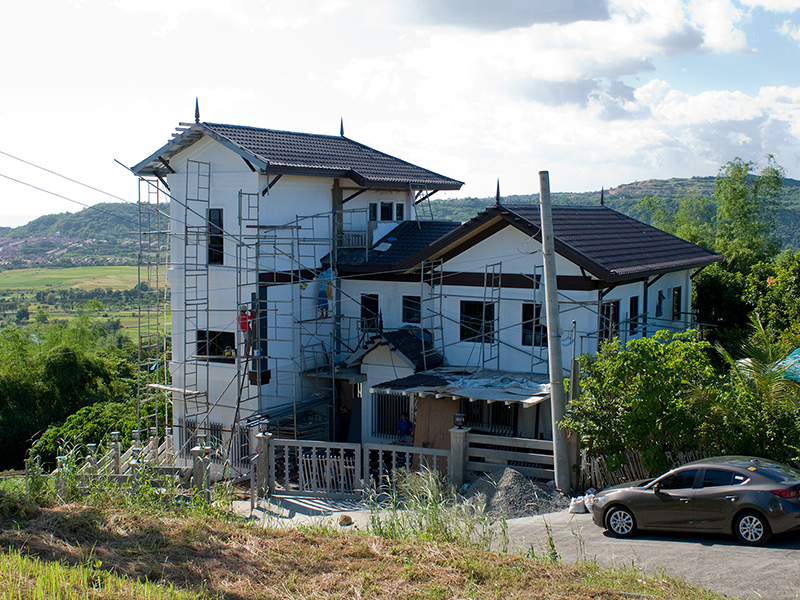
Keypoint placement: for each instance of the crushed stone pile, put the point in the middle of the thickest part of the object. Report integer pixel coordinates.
(512, 495)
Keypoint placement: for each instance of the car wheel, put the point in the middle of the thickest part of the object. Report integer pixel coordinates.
(751, 528)
(620, 522)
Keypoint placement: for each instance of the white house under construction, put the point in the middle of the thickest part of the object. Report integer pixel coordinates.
(310, 293)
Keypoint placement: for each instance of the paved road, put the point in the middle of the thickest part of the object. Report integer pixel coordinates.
(712, 561)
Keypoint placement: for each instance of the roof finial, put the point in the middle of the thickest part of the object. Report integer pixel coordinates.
(341, 127)
(602, 203)
(497, 198)
(196, 110)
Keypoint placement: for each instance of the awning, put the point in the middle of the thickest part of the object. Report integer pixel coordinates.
(506, 389)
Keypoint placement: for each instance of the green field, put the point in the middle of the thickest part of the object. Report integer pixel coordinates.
(85, 278)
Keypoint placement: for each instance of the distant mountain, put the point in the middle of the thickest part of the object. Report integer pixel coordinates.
(101, 234)
(625, 198)
(111, 221)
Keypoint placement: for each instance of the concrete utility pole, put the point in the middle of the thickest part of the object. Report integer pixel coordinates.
(557, 400)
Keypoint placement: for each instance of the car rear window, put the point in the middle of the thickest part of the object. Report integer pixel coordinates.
(777, 472)
(716, 477)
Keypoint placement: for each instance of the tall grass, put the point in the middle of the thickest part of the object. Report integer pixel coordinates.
(422, 506)
(34, 579)
(145, 491)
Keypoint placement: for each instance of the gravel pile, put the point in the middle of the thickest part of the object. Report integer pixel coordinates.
(512, 496)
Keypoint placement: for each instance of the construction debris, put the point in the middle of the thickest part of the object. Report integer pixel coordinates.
(512, 495)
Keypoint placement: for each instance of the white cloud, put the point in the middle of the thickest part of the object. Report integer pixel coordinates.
(790, 30)
(774, 5)
(718, 19)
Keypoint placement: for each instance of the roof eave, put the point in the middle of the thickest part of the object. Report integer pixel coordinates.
(153, 164)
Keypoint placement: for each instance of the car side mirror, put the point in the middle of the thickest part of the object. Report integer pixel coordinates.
(657, 488)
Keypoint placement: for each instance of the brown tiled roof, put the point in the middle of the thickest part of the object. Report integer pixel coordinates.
(606, 244)
(286, 152)
(404, 241)
(610, 245)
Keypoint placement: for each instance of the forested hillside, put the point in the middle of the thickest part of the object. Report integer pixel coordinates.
(101, 234)
(625, 199)
(111, 220)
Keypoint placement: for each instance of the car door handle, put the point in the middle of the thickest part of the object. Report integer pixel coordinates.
(731, 498)
(685, 500)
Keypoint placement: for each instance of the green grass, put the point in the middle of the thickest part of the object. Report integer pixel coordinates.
(86, 278)
(26, 577)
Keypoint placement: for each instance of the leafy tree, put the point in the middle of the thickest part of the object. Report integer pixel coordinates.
(747, 208)
(636, 397)
(773, 289)
(755, 410)
(89, 425)
(721, 306)
(50, 371)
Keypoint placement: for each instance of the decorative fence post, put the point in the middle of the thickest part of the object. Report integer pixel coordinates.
(170, 448)
(91, 459)
(263, 480)
(135, 466)
(117, 454)
(459, 447)
(154, 444)
(200, 479)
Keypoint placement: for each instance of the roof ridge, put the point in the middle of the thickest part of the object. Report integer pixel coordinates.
(250, 127)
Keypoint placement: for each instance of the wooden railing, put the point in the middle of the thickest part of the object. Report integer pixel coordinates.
(489, 453)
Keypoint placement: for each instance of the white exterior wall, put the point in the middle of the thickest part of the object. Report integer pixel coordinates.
(520, 254)
(291, 197)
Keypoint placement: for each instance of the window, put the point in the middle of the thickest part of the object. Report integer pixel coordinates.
(609, 320)
(660, 303)
(399, 212)
(679, 481)
(534, 331)
(411, 309)
(386, 211)
(676, 304)
(477, 321)
(370, 313)
(373, 212)
(386, 409)
(633, 316)
(717, 477)
(216, 346)
(497, 418)
(216, 242)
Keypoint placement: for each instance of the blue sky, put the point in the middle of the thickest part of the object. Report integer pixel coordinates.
(598, 92)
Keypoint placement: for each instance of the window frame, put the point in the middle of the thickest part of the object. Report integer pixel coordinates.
(412, 306)
(216, 239)
(677, 303)
(474, 329)
(633, 315)
(609, 323)
(211, 345)
(370, 320)
(534, 330)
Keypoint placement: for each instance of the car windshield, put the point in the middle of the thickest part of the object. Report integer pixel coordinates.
(778, 473)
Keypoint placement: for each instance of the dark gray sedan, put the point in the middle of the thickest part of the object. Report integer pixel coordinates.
(751, 498)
